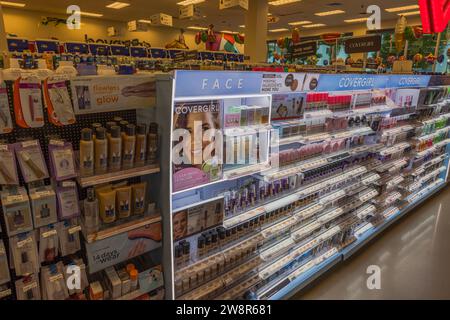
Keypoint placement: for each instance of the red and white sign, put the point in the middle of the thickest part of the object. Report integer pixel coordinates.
(435, 15)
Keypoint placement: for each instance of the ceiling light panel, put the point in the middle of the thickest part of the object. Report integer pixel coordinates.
(118, 5)
(329, 13)
(410, 13)
(299, 23)
(282, 2)
(91, 14)
(356, 20)
(189, 2)
(12, 4)
(279, 30)
(404, 8)
(317, 25)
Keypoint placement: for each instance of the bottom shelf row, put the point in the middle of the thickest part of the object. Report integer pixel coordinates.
(290, 269)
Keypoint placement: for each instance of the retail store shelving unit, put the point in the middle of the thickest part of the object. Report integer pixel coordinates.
(265, 230)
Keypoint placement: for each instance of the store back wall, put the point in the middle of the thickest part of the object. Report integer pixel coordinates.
(27, 24)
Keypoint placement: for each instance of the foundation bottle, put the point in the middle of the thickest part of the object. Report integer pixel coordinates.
(114, 148)
(152, 143)
(141, 144)
(86, 153)
(101, 151)
(123, 126)
(108, 127)
(94, 127)
(129, 144)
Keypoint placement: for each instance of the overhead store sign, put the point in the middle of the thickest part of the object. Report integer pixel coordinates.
(435, 15)
(363, 44)
(304, 49)
(135, 25)
(225, 4)
(190, 11)
(161, 19)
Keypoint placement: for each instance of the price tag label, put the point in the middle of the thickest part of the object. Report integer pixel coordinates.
(23, 243)
(5, 293)
(74, 229)
(16, 198)
(32, 143)
(49, 234)
(57, 277)
(30, 286)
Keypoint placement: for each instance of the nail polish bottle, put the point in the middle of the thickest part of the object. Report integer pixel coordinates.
(208, 240)
(214, 240)
(234, 232)
(228, 235)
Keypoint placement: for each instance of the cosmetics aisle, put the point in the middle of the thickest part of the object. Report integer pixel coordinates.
(412, 256)
(346, 156)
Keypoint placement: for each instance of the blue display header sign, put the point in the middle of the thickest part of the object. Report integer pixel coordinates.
(17, 45)
(77, 48)
(216, 83)
(138, 52)
(99, 49)
(157, 53)
(43, 46)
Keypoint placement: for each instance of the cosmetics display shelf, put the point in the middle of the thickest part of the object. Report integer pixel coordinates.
(122, 226)
(298, 219)
(134, 172)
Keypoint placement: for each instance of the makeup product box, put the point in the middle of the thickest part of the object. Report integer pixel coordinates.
(113, 282)
(8, 167)
(67, 196)
(125, 280)
(27, 288)
(16, 210)
(23, 249)
(95, 291)
(31, 160)
(43, 204)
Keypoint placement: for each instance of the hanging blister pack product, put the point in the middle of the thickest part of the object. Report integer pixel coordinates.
(16, 210)
(58, 101)
(31, 160)
(43, 204)
(6, 125)
(62, 160)
(69, 237)
(8, 168)
(4, 270)
(67, 196)
(28, 102)
(53, 283)
(24, 251)
(48, 243)
(27, 288)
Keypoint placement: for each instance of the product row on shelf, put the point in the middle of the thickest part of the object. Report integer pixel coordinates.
(77, 189)
(338, 156)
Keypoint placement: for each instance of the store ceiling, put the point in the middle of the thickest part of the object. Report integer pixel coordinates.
(229, 19)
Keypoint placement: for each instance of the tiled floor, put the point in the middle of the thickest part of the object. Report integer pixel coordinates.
(413, 256)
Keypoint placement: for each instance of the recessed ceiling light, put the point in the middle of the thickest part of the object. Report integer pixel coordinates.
(12, 4)
(282, 2)
(145, 21)
(118, 5)
(91, 14)
(329, 13)
(242, 26)
(197, 28)
(397, 9)
(314, 25)
(299, 23)
(230, 32)
(410, 13)
(189, 2)
(356, 20)
(279, 30)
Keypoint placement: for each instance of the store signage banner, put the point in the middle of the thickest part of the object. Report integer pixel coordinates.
(407, 81)
(204, 83)
(111, 251)
(363, 44)
(158, 53)
(435, 15)
(113, 93)
(161, 19)
(334, 82)
(225, 4)
(305, 49)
